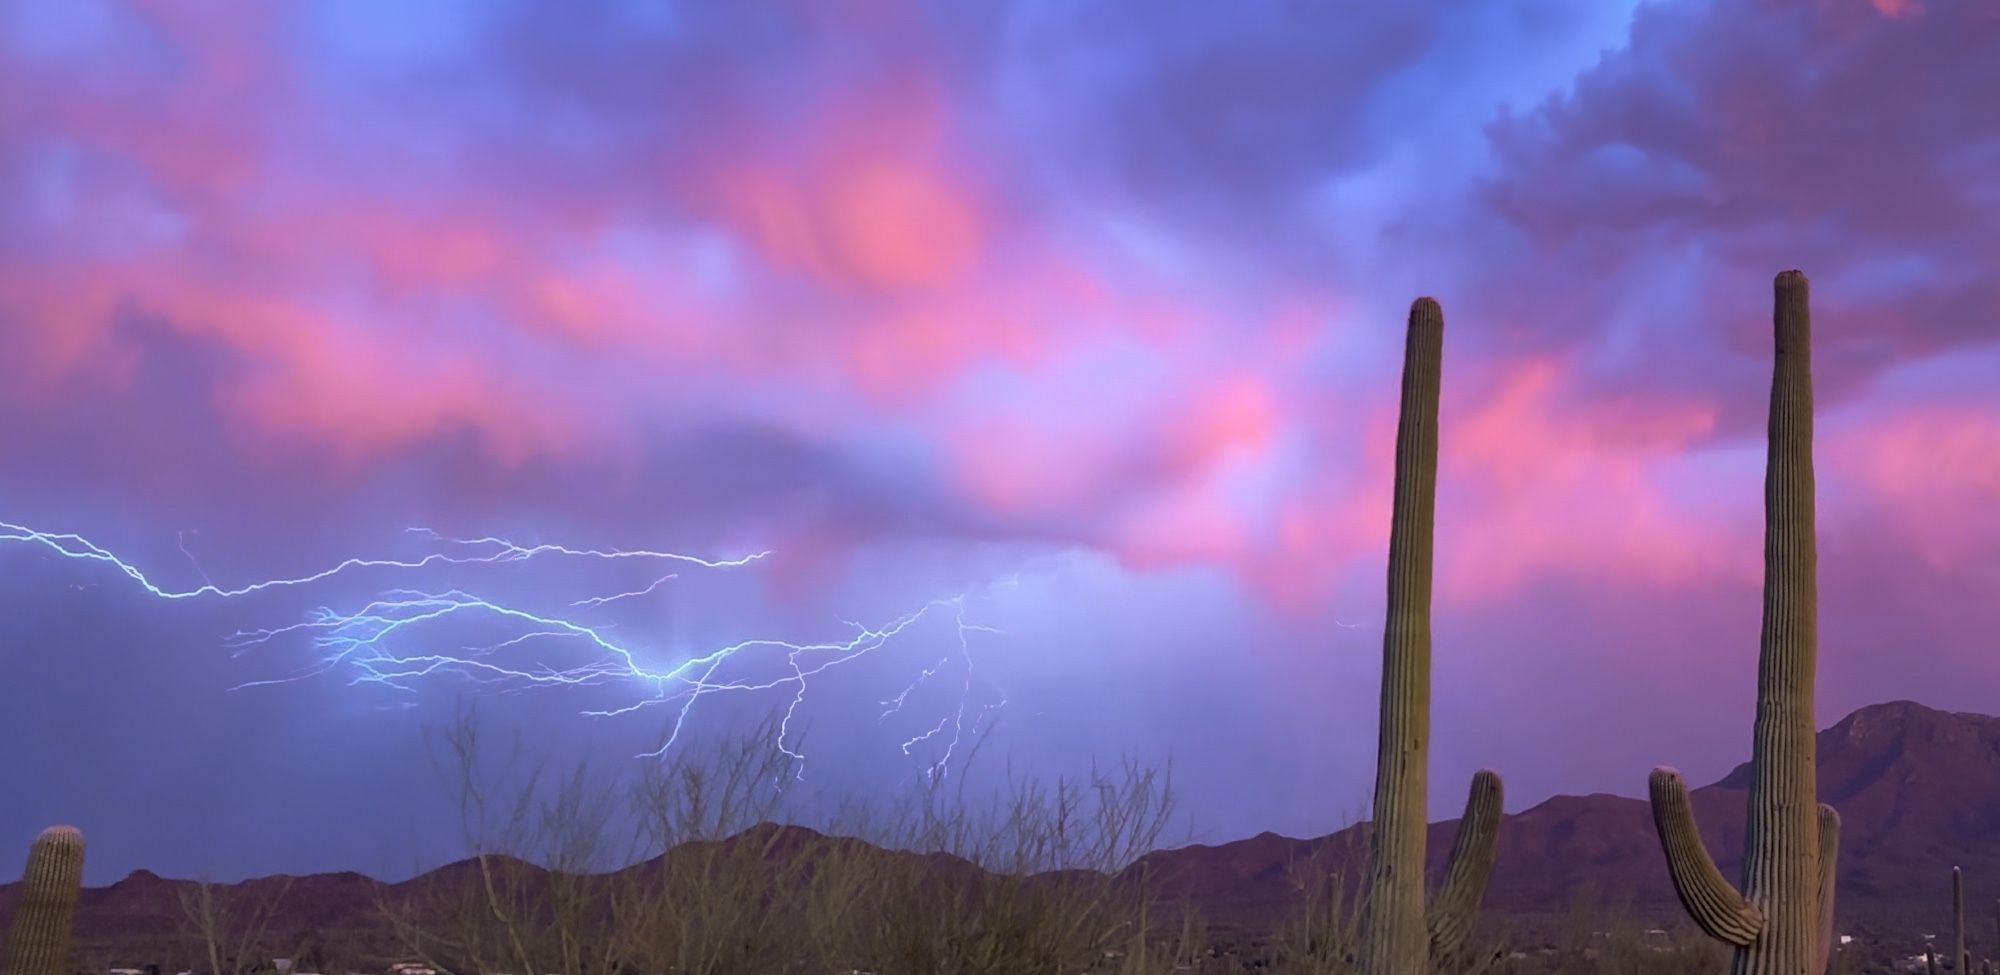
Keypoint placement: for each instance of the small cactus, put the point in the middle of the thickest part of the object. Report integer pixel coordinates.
(38, 944)
(1782, 922)
(1401, 937)
(1961, 961)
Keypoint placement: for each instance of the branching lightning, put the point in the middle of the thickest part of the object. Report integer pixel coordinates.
(498, 550)
(396, 638)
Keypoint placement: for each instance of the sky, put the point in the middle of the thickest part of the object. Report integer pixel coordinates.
(930, 372)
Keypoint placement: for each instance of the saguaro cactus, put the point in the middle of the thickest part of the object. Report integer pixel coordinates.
(1782, 922)
(1400, 937)
(38, 944)
(1961, 961)
(1829, 869)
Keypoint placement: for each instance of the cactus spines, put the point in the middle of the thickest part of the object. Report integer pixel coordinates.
(38, 943)
(1400, 938)
(1782, 869)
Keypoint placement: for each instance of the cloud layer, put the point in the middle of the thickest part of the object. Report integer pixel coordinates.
(911, 293)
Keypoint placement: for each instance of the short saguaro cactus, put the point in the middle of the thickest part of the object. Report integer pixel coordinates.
(38, 942)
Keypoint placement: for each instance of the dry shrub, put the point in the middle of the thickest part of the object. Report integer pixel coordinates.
(683, 868)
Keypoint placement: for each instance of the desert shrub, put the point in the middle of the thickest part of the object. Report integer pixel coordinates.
(684, 868)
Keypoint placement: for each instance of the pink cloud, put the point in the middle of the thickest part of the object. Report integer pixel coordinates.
(325, 388)
(1897, 8)
(854, 263)
(873, 220)
(1934, 473)
(1234, 415)
(1017, 466)
(1553, 483)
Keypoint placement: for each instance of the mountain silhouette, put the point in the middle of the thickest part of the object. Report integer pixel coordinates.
(1918, 791)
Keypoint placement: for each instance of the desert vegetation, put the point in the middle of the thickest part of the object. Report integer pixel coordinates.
(1782, 921)
(681, 867)
(38, 942)
(682, 870)
(1401, 935)
(1960, 958)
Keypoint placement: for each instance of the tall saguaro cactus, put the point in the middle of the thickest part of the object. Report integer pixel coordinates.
(38, 944)
(1782, 922)
(1961, 961)
(1401, 938)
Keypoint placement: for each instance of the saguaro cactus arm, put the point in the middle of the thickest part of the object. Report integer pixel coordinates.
(1829, 861)
(38, 944)
(1715, 905)
(1455, 907)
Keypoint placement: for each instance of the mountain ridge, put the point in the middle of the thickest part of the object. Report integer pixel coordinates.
(1918, 790)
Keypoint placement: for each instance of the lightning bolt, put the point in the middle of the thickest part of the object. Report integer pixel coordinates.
(496, 550)
(394, 639)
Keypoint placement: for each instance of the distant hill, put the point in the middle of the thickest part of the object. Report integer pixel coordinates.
(1918, 791)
